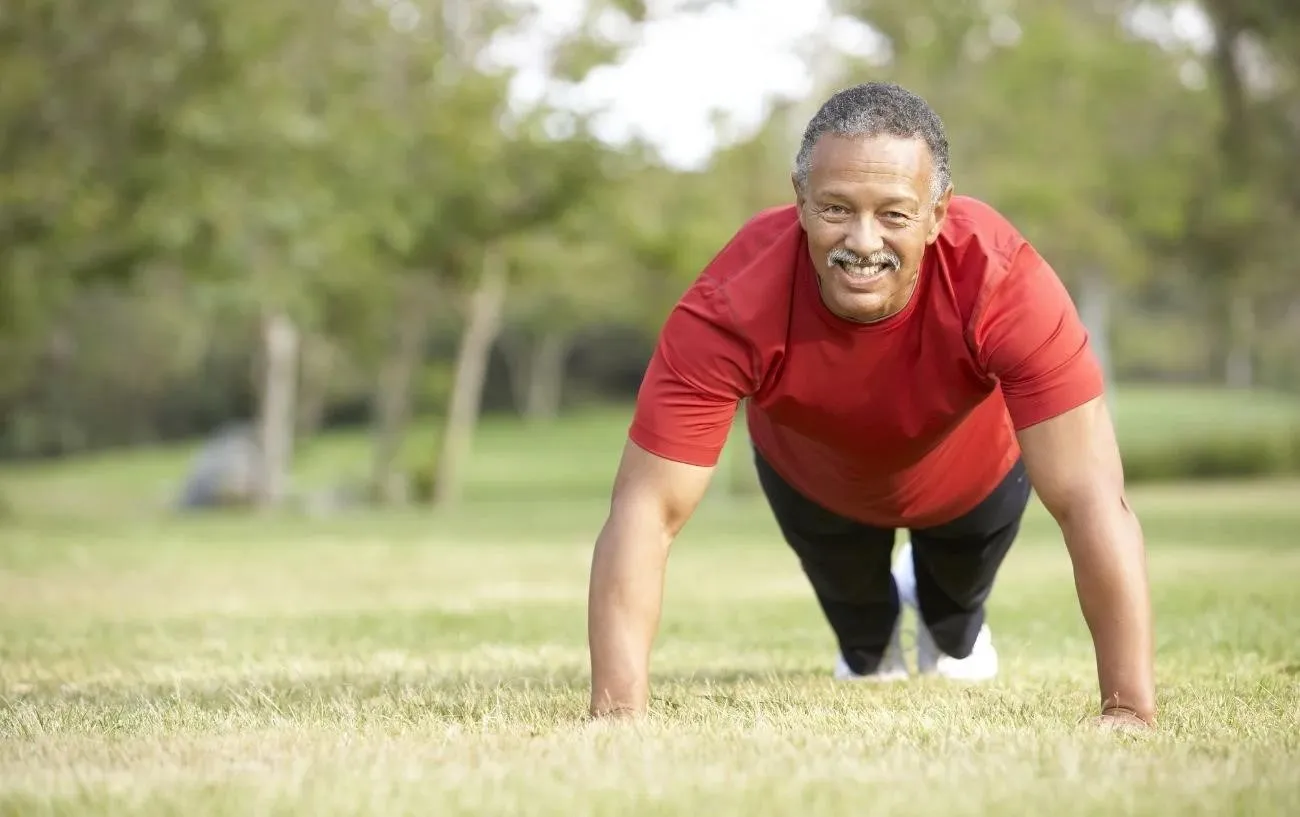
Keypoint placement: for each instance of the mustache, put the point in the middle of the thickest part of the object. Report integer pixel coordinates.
(846, 258)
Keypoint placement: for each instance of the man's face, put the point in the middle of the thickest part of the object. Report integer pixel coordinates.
(869, 216)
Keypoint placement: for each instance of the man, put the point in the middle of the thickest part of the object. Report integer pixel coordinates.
(909, 361)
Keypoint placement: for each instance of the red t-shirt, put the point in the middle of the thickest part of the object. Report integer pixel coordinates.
(906, 422)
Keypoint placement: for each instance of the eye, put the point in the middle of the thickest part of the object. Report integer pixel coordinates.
(835, 210)
(895, 217)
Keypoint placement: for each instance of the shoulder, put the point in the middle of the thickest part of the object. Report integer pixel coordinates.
(979, 250)
(765, 243)
(752, 274)
(977, 240)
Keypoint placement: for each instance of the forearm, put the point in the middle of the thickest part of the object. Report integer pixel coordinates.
(1108, 553)
(624, 604)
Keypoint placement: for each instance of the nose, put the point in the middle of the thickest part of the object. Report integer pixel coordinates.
(863, 237)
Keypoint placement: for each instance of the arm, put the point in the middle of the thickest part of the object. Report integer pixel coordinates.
(1074, 466)
(700, 370)
(652, 500)
(1029, 336)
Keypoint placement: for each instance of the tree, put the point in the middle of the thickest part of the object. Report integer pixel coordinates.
(1250, 189)
(1083, 135)
(452, 179)
(86, 98)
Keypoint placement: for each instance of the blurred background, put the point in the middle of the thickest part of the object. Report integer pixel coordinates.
(341, 253)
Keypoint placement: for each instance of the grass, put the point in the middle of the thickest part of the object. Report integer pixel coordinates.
(418, 663)
(403, 665)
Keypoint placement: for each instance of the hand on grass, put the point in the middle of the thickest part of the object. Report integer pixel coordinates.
(1122, 719)
(618, 713)
(611, 721)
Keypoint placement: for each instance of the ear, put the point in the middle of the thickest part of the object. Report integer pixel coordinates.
(799, 199)
(938, 216)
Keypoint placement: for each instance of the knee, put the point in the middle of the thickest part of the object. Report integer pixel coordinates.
(841, 583)
(951, 596)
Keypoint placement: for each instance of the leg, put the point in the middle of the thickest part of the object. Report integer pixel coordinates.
(848, 564)
(956, 564)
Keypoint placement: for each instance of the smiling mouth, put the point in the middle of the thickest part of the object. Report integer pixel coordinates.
(865, 274)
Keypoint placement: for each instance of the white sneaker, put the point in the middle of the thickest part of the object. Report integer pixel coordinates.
(980, 665)
(905, 576)
(892, 666)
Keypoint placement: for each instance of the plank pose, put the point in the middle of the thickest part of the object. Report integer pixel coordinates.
(909, 361)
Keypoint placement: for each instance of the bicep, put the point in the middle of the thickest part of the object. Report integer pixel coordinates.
(1073, 459)
(648, 486)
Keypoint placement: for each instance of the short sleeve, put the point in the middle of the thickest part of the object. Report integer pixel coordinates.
(1029, 336)
(700, 370)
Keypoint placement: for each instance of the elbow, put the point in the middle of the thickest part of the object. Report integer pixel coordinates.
(646, 515)
(672, 517)
(1071, 508)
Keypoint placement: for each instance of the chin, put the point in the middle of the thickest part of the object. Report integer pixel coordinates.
(860, 307)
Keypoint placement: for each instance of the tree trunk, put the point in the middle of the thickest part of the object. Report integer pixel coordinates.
(315, 361)
(517, 347)
(546, 376)
(392, 396)
(1239, 363)
(483, 324)
(277, 416)
(1095, 312)
(1237, 138)
(537, 368)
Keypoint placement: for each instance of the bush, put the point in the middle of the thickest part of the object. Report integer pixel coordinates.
(1192, 454)
(1226, 454)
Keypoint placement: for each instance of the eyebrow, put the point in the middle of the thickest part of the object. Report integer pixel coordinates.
(907, 200)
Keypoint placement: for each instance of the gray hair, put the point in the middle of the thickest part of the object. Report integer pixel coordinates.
(878, 109)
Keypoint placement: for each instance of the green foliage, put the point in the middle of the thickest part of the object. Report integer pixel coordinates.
(171, 172)
(1055, 119)
(1222, 455)
(435, 384)
(1187, 434)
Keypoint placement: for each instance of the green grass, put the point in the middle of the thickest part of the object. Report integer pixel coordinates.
(422, 663)
(404, 664)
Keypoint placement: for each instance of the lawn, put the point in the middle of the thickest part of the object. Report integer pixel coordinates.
(418, 663)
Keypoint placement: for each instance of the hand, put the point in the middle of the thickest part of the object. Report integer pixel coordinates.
(1123, 719)
(1107, 550)
(610, 721)
(617, 713)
